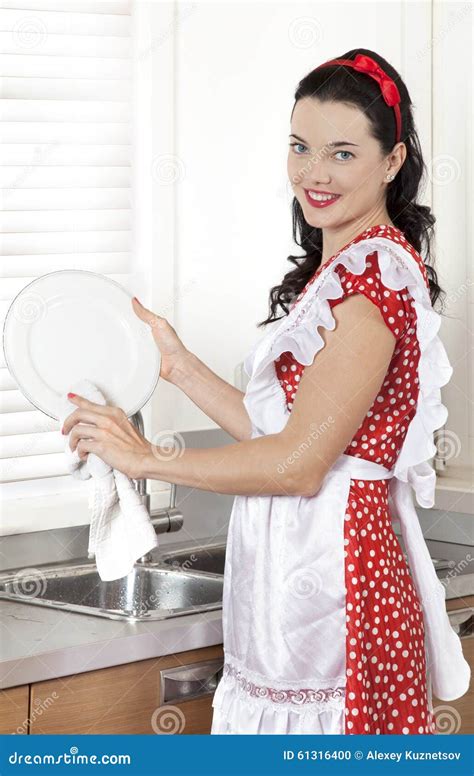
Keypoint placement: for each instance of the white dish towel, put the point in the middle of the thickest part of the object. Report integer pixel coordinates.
(121, 530)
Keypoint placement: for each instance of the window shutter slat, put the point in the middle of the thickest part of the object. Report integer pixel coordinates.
(14, 401)
(64, 132)
(29, 466)
(50, 155)
(6, 381)
(76, 6)
(61, 242)
(17, 445)
(39, 177)
(31, 65)
(66, 199)
(60, 23)
(30, 421)
(48, 45)
(63, 89)
(24, 221)
(65, 187)
(62, 110)
(22, 269)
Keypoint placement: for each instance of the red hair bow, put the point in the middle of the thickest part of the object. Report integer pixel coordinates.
(388, 87)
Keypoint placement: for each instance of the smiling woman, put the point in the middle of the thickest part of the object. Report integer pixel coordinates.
(328, 628)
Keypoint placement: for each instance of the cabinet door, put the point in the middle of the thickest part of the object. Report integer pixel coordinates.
(456, 717)
(14, 710)
(123, 699)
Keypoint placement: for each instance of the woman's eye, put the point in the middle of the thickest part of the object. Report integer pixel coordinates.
(343, 152)
(297, 144)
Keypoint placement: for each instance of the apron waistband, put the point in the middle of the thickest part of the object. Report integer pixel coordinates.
(360, 468)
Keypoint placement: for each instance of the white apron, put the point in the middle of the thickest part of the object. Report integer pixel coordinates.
(285, 668)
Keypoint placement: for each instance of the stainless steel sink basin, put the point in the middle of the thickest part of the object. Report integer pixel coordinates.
(207, 558)
(149, 592)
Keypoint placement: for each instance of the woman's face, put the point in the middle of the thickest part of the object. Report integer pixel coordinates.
(355, 170)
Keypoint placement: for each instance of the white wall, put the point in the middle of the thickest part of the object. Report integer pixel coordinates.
(450, 173)
(237, 65)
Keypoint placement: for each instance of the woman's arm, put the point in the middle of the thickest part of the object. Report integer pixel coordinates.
(335, 393)
(221, 401)
(253, 467)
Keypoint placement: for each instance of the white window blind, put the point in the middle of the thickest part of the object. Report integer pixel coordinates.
(66, 73)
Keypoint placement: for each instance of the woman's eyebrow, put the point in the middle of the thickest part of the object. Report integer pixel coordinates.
(333, 144)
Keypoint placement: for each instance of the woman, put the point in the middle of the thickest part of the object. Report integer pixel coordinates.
(325, 628)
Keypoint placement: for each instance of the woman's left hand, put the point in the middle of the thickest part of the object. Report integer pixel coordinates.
(107, 432)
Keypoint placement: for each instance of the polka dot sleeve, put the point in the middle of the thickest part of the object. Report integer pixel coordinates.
(394, 306)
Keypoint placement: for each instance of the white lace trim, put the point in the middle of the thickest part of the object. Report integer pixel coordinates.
(272, 696)
(298, 333)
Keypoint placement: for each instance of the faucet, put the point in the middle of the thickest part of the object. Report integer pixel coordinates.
(166, 519)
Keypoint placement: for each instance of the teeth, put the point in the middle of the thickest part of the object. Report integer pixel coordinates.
(321, 197)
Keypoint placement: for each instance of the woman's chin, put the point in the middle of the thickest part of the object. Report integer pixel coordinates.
(319, 218)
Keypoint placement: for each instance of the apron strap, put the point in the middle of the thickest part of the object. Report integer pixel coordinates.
(360, 468)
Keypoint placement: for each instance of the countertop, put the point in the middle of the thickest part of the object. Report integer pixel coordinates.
(41, 643)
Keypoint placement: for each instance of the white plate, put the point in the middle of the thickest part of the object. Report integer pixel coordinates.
(74, 324)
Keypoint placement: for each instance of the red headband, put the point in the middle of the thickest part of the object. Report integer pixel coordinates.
(389, 89)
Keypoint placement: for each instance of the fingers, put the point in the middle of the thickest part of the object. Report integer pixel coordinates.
(98, 418)
(82, 432)
(86, 404)
(141, 311)
(86, 446)
(144, 314)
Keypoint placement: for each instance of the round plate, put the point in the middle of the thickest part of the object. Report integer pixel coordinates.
(74, 324)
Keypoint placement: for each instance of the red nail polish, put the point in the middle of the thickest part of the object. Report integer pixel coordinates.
(62, 430)
(71, 395)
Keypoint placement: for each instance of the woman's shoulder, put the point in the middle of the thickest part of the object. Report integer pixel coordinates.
(394, 303)
(387, 231)
(394, 235)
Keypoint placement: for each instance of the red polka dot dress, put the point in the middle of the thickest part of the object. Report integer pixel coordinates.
(386, 688)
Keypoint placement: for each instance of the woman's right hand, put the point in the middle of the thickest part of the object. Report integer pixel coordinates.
(173, 352)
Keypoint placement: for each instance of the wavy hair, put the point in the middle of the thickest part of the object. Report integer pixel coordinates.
(334, 83)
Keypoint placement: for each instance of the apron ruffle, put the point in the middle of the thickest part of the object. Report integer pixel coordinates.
(236, 712)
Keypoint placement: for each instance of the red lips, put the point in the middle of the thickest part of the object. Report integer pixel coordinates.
(326, 203)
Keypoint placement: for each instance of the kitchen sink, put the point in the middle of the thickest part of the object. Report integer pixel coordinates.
(208, 558)
(150, 592)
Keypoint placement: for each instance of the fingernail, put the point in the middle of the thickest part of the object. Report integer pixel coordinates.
(71, 395)
(137, 300)
(62, 430)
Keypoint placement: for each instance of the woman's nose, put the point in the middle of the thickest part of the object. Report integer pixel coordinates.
(316, 182)
(316, 175)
